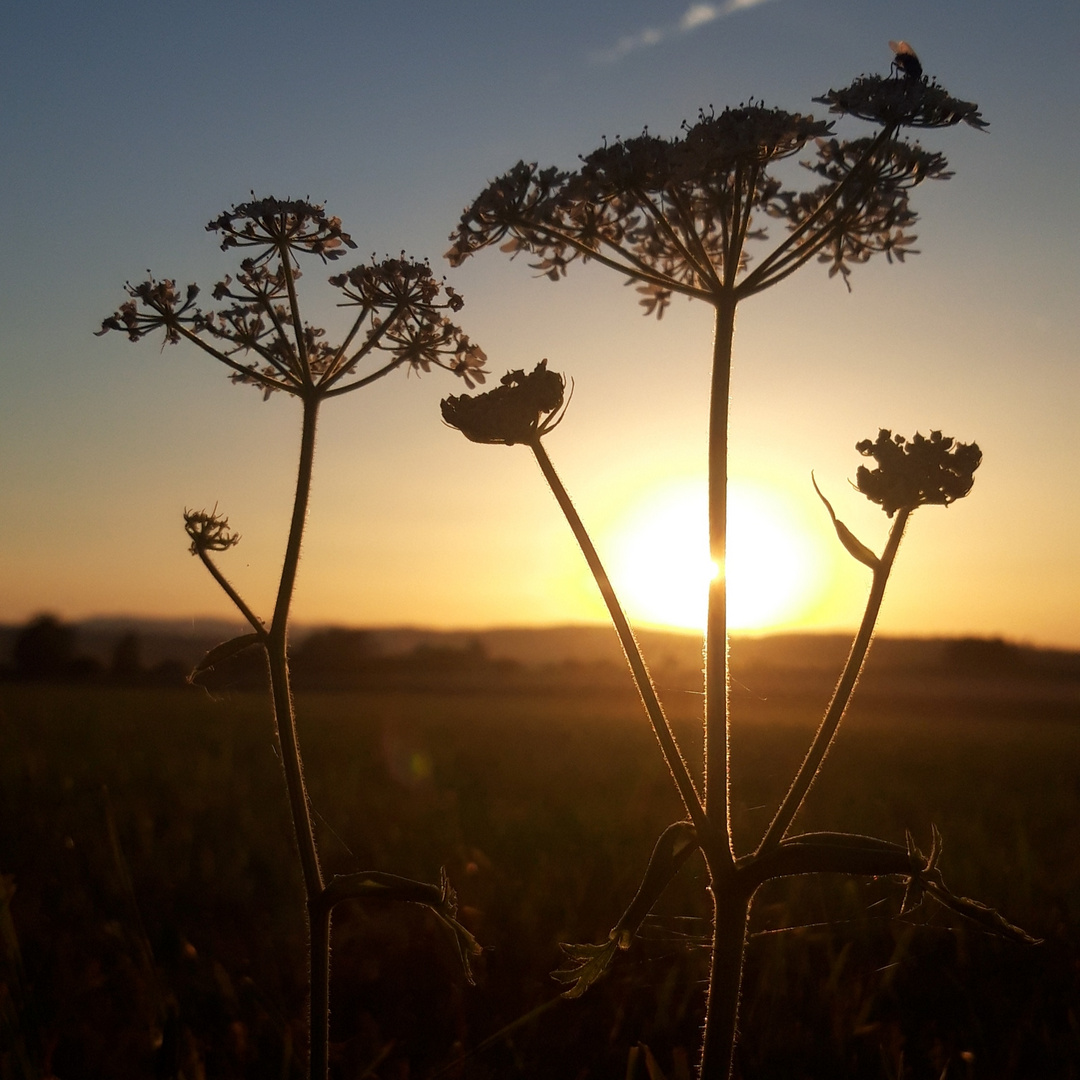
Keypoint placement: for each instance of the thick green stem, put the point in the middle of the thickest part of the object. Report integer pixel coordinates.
(716, 654)
(664, 734)
(841, 696)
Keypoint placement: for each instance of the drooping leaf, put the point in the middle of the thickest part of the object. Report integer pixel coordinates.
(225, 651)
(854, 546)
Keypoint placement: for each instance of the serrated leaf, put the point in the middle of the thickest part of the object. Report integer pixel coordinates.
(987, 917)
(584, 965)
(853, 545)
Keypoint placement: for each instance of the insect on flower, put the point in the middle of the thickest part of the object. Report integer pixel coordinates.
(905, 62)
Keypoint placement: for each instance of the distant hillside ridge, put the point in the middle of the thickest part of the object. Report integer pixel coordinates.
(187, 640)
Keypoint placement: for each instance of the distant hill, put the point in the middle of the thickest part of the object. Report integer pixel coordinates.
(822, 655)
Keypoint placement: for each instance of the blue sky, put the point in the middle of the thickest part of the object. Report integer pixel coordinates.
(127, 126)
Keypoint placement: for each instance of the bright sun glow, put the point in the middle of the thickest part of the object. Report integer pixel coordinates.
(661, 567)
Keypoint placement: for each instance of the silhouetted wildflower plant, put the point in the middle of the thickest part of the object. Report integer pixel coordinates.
(402, 320)
(682, 216)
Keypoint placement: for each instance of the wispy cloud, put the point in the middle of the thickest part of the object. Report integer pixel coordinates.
(696, 15)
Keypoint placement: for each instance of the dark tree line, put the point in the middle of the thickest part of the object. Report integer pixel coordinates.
(46, 650)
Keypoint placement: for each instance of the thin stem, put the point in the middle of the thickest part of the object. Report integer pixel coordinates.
(228, 361)
(664, 734)
(294, 309)
(285, 721)
(231, 593)
(319, 916)
(367, 380)
(299, 514)
(700, 263)
(717, 800)
(842, 695)
(694, 237)
(753, 281)
(636, 270)
(340, 367)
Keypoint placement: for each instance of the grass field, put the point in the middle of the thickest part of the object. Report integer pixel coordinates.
(155, 928)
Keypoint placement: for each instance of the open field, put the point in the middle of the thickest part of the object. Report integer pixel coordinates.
(157, 903)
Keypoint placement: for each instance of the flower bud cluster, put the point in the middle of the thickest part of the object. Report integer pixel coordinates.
(922, 471)
(209, 531)
(521, 409)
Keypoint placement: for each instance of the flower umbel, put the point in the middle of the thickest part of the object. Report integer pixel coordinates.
(209, 531)
(277, 224)
(906, 102)
(923, 471)
(163, 307)
(522, 409)
(401, 316)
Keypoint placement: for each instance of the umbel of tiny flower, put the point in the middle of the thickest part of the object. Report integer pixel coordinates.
(921, 471)
(399, 307)
(919, 103)
(521, 409)
(275, 224)
(209, 531)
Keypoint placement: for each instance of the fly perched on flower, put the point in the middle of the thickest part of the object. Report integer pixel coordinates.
(905, 62)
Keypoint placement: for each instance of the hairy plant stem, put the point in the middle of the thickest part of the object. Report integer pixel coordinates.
(230, 592)
(732, 895)
(716, 674)
(842, 695)
(733, 885)
(731, 899)
(285, 722)
(668, 745)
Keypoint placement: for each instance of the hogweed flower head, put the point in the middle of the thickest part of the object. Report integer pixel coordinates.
(278, 224)
(209, 531)
(521, 409)
(904, 102)
(918, 472)
(671, 213)
(258, 333)
(163, 306)
(880, 213)
(677, 215)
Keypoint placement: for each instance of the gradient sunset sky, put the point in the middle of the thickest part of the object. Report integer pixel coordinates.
(128, 126)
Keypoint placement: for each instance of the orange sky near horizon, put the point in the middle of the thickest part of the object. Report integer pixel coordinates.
(104, 443)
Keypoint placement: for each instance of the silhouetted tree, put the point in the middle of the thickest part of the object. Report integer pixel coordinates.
(332, 657)
(983, 656)
(126, 665)
(44, 650)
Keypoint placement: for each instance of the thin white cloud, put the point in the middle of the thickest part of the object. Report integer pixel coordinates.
(696, 15)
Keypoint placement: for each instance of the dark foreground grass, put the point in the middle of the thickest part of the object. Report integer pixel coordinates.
(157, 901)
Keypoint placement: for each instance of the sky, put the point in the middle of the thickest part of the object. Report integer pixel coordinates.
(127, 126)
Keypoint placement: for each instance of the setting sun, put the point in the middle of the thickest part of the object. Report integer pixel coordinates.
(661, 567)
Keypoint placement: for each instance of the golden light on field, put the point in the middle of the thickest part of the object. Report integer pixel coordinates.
(661, 567)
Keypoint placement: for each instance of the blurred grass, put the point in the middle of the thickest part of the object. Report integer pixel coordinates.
(158, 906)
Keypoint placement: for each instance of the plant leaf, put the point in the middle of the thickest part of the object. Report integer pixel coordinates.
(855, 547)
(584, 964)
(224, 651)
